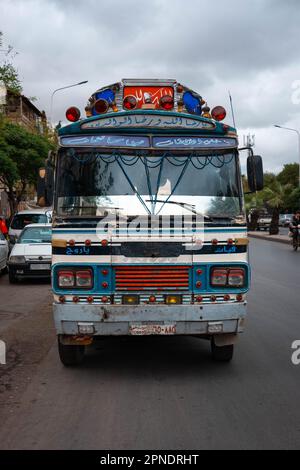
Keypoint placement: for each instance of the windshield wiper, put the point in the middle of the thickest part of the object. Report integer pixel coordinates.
(91, 207)
(186, 205)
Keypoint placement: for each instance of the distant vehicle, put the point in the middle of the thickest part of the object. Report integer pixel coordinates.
(23, 218)
(3, 252)
(31, 255)
(264, 221)
(285, 219)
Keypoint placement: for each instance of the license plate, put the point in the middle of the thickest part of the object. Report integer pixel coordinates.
(143, 330)
(40, 267)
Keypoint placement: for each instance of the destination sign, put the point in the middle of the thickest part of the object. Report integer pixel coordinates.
(106, 141)
(193, 142)
(148, 121)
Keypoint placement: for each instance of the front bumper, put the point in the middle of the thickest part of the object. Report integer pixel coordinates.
(117, 319)
(24, 270)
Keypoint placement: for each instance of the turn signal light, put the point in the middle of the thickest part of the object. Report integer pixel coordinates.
(84, 279)
(73, 114)
(227, 277)
(78, 278)
(236, 277)
(219, 277)
(173, 299)
(130, 299)
(66, 279)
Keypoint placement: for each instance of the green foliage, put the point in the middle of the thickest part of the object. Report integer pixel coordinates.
(280, 191)
(10, 77)
(8, 73)
(289, 174)
(21, 155)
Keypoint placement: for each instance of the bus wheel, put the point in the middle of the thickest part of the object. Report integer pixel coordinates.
(221, 353)
(70, 355)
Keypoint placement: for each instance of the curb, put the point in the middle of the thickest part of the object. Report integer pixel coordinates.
(270, 238)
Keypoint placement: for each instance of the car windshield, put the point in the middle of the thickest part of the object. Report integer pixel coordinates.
(21, 220)
(92, 183)
(35, 235)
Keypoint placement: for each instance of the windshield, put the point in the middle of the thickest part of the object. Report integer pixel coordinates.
(91, 183)
(36, 235)
(21, 220)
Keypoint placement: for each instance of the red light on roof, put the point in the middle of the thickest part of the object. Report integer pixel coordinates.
(101, 106)
(218, 113)
(129, 102)
(166, 102)
(73, 114)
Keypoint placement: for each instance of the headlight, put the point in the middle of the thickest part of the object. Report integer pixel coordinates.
(17, 260)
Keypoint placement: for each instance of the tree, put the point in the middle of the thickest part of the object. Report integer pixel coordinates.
(8, 73)
(21, 155)
(275, 197)
(289, 174)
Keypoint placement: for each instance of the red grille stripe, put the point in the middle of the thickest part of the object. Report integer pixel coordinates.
(152, 277)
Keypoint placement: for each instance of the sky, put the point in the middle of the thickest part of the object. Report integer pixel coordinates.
(249, 48)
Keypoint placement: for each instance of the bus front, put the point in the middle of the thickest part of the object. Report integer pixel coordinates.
(149, 228)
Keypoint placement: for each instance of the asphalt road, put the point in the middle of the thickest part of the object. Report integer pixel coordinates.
(166, 393)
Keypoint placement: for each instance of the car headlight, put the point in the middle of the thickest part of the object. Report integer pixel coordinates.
(17, 260)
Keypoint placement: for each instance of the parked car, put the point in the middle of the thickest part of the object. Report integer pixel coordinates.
(23, 218)
(285, 219)
(31, 255)
(3, 252)
(264, 221)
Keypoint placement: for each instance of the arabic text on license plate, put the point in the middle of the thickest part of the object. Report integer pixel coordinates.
(140, 330)
(41, 267)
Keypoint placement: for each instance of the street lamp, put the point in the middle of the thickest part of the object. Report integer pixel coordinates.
(63, 88)
(298, 133)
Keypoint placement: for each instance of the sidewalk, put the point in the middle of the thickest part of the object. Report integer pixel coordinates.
(272, 238)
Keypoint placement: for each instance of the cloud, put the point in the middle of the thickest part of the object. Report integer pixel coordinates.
(250, 49)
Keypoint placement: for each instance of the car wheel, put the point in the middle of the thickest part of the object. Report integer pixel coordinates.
(5, 270)
(12, 277)
(70, 355)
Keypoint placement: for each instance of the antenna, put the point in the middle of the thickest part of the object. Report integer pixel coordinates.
(249, 141)
(232, 112)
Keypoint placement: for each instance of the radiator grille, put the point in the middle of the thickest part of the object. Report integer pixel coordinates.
(139, 278)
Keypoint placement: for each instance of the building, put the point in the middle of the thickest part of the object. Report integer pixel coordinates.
(20, 110)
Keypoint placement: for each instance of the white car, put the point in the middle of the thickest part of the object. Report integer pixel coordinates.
(23, 218)
(31, 255)
(3, 252)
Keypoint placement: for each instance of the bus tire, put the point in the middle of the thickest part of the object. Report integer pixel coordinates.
(70, 355)
(221, 353)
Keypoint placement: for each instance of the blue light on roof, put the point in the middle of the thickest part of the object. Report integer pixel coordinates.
(107, 95)
(192, 103)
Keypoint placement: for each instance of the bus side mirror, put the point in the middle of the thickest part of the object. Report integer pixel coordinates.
(255, 173)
